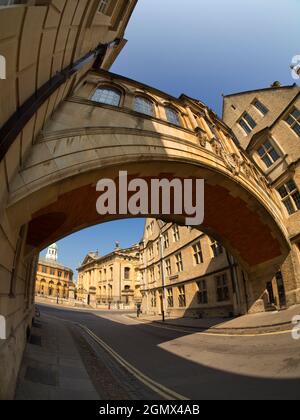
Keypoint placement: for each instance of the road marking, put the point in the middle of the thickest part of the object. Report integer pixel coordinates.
(179, 329)
(158, 388)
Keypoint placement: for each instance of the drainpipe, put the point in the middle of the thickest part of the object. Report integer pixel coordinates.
(233, 279)
(246, 293)
(120, 284)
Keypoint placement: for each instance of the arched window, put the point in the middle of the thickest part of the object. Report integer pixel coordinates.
(172, 116)
(107, 96)
(144, 106)
(50, 288)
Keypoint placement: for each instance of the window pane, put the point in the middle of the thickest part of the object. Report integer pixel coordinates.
(172, 116)
(245, 126)
(296, 197)
(274, 155)
(107, 96)
(250, 120)
(260, 106)
(296, 128)
(143, 106)
(290, 120)
(267, 161)
(296, 114)
(268, 145)
(283, 192)
(291, 186)
(289, 206)
(261, 151)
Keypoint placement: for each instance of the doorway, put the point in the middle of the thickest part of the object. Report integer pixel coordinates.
(281, 289)
(270, 290)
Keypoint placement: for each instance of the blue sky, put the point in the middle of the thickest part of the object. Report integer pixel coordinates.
(204, 48)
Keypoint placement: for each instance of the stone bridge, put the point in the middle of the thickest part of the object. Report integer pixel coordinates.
(57, 140)
(54, 192)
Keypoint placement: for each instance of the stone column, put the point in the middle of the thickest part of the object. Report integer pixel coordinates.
(93, 301)
(192, 118)
(129, 101)
(291, 277)
(71, 293)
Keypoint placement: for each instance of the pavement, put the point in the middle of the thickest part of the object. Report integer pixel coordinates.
(52, 367)
(252, 323)
(61, 362)
(108, 355)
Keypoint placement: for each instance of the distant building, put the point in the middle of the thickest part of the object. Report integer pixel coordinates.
(54, 280)
(111, 280)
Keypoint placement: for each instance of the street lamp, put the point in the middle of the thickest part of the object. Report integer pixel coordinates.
(161, 247)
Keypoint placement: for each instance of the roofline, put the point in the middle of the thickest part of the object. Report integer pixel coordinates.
(143, 85)
(103, 257)
(53, 264)
(285, 109)
(254, 137)
(261, 90)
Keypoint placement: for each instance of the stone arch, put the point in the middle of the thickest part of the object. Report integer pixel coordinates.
(50, 216)
(56, 184)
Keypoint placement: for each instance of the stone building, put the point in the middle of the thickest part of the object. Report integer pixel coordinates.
(266, 123)
(54, 281)
(186, 273)
(110, 281)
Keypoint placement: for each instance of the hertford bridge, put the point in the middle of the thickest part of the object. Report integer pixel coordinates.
(67, 122)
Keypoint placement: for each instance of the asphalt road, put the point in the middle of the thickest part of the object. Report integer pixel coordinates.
(195, 365)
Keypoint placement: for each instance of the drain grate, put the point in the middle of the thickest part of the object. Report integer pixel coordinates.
(41, 376)
(36, 340)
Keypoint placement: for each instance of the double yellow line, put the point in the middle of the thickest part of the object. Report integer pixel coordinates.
(158, 388)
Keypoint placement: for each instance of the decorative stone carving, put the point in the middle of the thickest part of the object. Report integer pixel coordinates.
(203, 140)
(232, 161)
(202, 136)
(217, 146)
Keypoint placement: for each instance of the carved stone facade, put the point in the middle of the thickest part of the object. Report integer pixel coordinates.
(186, 273)
(111, 281)
(54, 281)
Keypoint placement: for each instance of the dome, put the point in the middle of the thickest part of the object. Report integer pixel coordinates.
(52, 252)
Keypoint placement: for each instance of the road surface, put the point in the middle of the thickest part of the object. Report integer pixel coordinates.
(194, 365)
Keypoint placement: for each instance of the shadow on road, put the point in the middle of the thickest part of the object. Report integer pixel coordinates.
(140, 344)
